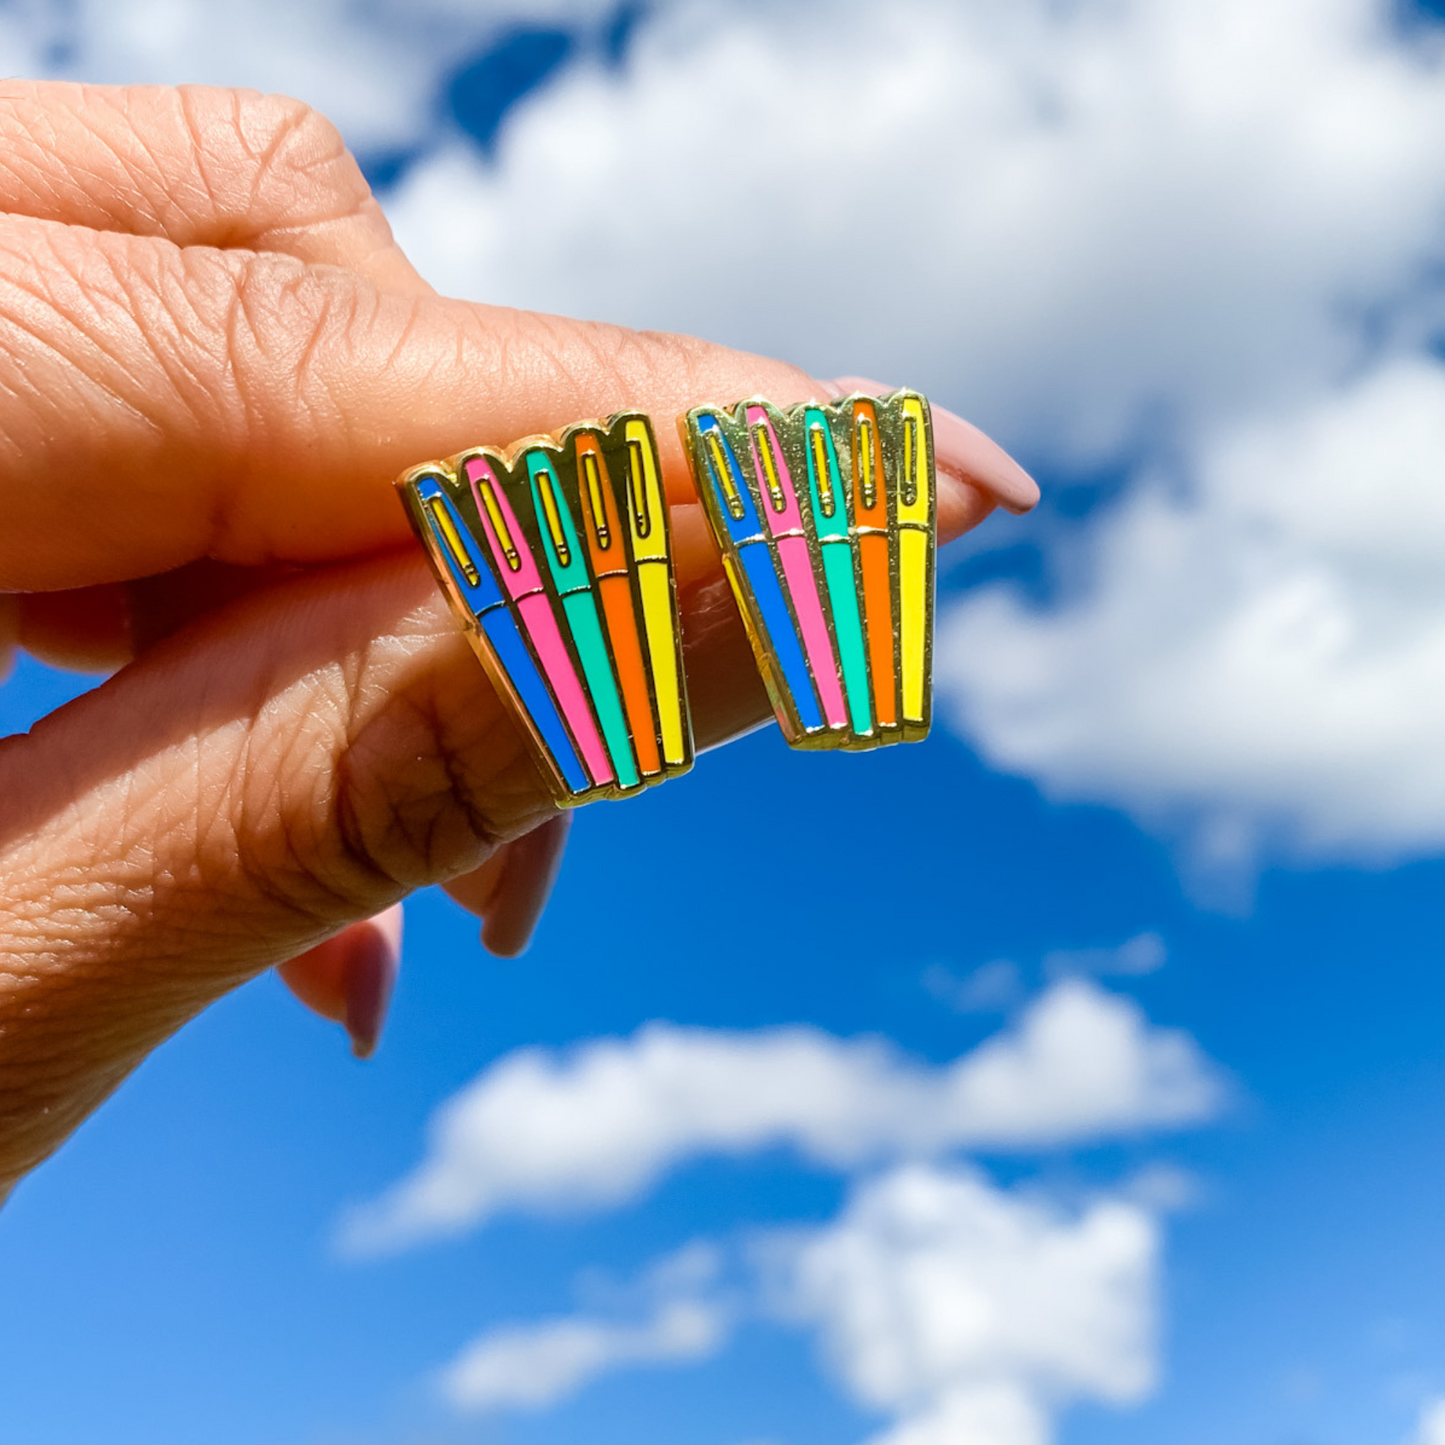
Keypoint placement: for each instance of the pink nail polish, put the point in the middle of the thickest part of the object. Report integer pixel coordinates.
(373, 959)
(961, 450)
(9, 629)
(528, 877)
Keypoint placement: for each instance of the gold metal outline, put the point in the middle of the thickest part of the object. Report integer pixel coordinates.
(618, 455)
(792, 433)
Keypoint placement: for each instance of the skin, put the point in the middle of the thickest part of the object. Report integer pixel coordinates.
(213, 361)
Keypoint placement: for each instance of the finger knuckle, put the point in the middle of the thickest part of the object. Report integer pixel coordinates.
(296, 168)
(461, 789)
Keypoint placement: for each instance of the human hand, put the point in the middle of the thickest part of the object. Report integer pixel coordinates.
(214, 360)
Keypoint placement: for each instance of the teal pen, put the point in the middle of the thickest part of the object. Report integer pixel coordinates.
(830, 522)
(568, 564)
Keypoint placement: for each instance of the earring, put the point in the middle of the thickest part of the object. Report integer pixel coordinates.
(556, 557)
(825, 516)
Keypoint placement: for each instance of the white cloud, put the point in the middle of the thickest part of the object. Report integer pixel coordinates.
(24, 41)
(373, 66)
(533, 1367)
(1096, 212)
(993, 987)
(1142, 954)
(1259, 656)
(599, 1124)
(967, 1313)
(537, 1365)
(957, 1310)
(1431, 1427)
(1165, 1188)
(998, 986)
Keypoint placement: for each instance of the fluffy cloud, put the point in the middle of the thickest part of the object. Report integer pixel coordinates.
(958, 1310)
(537, 1365)
(374, 66)
(1431, 1427)
(993, 987)
(1144, 953)
(968, 1313)
(599, 1124)
(1077, 218)
(1258, 656)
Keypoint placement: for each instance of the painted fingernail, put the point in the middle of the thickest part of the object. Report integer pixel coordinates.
(9, 628)
(528, 877)
(961, 450)
(373, 959)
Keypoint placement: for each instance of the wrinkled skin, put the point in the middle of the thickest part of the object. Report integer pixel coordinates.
(213, 360)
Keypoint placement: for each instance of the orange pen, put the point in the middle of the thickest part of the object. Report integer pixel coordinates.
(607, 550)
(870, 514)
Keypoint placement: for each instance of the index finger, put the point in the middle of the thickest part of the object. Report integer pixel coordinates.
(167, 404)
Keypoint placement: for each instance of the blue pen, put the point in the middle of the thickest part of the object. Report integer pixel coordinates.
(745, 530)
(478, 587)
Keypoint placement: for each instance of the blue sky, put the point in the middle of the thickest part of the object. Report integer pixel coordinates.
(1186, 261)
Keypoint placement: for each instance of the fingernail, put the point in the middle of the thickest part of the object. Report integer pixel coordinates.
(961, 450)
(528, 877)
(373, 958)
(9, 628)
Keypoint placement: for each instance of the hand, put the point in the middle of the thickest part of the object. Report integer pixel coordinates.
(214, 360)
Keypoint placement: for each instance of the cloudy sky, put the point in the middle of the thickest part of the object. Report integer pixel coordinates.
(1126, 1127)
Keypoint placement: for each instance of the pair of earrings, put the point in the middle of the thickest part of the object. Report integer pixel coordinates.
(556, 557)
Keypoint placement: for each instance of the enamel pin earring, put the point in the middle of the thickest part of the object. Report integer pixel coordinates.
(556, 557)
(557, 561)
(825, 516)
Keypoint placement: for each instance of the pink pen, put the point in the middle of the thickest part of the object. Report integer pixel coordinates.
(523, 585)
(779, 504)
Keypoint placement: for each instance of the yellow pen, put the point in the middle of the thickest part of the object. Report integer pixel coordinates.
(915, 519)
(647, 530)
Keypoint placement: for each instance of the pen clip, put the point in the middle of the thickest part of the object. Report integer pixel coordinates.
(821, 471)
(451, 539)
(910, 459)
(545, 483)
(722, 473)
(867, 482)
(499, 526)
(592, 475)
(637, 486)
(762, 443)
